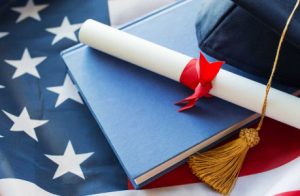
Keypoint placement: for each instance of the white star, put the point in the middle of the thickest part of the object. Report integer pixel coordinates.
(24, 123)
(65, 92)
(2, 86)
(29, 10)
(66, 30)
(69, 162)
(26, 65)
(2, 34)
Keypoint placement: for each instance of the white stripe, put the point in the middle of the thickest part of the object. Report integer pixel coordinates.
(18, 187)
(123, 11)
(282, 179)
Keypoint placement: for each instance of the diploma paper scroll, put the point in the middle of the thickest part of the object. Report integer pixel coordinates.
(227, 86)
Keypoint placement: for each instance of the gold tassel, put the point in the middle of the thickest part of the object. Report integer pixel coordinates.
(220, 167)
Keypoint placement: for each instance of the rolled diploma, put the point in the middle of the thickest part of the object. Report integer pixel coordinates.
(227, 86)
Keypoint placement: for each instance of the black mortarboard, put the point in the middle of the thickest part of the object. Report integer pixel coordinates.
(245, 33)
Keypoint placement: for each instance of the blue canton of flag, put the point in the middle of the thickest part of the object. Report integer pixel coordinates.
(49, 141)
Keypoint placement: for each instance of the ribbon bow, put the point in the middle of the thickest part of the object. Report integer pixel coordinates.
(200, 82)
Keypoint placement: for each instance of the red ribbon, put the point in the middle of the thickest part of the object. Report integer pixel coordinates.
(198, 75)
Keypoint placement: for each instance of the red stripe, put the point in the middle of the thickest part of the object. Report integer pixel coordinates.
(292, 193)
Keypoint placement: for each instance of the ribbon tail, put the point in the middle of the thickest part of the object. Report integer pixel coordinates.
(187, 99)
(191, 100)
(189, 103)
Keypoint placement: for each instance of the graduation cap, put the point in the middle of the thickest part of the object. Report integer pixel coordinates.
(249, 35)
(245, 33)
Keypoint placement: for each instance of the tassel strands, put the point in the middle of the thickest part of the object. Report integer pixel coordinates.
(220, 167)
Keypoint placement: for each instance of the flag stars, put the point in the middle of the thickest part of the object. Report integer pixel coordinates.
(1, 86)
(67, 91)
(3, 34)
(30, 10)
(69, 162)
(24, 123)
(26, 65)
(65, 30)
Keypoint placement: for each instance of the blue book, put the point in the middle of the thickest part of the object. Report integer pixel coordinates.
(135, 107)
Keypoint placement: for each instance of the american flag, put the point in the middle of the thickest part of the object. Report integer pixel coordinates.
(50, 143)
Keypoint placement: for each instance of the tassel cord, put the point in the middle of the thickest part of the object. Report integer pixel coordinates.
(274, 67)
